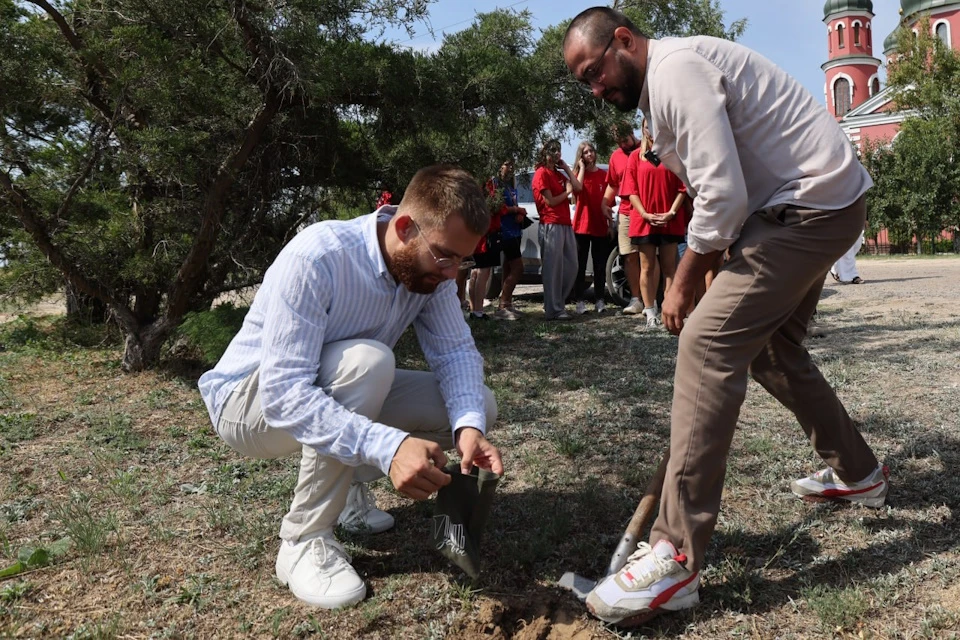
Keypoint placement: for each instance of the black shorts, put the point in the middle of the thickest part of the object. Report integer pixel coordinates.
(656, 239)
(490, 257)
(511, 249)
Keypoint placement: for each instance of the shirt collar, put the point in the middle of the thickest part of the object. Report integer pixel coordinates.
(644, 104)
(382, 214)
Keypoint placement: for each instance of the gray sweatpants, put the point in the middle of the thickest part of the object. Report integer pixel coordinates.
(558, 266)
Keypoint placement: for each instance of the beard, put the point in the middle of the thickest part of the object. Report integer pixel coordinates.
(405, 269)
(627, 96)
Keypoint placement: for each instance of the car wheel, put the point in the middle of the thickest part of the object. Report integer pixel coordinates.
(617, 287)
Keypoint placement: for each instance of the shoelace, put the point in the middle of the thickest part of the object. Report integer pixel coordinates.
(636, 565)
(364, 500)
(328, 551)
(639, 569)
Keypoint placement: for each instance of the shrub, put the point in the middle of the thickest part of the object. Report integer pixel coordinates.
(209, 332)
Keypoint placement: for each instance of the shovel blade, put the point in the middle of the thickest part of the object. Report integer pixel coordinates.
(579, 585)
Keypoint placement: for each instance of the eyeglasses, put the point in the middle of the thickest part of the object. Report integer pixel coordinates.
(443, 263)
(592, 73)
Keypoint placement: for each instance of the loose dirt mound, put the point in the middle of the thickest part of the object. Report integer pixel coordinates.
(544, 618)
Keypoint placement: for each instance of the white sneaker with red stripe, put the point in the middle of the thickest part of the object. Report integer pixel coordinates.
(654, 580)
(825, 484)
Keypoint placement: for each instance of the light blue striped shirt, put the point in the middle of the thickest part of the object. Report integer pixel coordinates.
(330, 283)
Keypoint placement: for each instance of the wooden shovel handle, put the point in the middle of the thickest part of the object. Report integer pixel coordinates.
(648, 503)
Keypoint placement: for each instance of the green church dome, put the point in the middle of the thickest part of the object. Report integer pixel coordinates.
(890, 42)
(911, 7)
(831, 7)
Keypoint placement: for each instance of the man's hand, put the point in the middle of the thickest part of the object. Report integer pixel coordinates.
(476, 450)
(676, 304)
(417, 468)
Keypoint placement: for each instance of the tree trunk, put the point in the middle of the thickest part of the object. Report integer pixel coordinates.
(142, 347)
(82, 307)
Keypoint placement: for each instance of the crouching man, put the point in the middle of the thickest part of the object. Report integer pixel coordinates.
(313, 371)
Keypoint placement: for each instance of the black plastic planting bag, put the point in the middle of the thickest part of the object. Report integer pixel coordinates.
(460, 513)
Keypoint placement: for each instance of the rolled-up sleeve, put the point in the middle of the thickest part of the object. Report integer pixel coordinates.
(453, 357)
(689, 98)
(295, 318)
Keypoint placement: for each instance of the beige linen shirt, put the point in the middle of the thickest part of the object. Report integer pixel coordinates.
(743, 135)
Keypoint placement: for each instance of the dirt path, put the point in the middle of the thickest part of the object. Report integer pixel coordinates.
(927, 285)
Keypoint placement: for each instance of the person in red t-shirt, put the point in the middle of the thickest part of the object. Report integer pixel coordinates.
(616, 168)
(558, 247)
(659, 223)
(592, 225)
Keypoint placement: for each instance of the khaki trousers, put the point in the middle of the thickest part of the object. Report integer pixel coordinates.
(361, 375)
(754, 319)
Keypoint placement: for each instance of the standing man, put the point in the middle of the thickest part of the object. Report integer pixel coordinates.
(616, 169)
(312, 371)
(776, 181)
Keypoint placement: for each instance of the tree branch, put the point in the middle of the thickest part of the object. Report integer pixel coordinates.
(189, 279)
(28, 214)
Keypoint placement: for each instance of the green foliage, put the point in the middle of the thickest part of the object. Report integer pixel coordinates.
(210, 332)
(184, 144)
(87, 526)
(917, 177)
(17, 427)
(34, 557)
(838, 609)
(20, 332)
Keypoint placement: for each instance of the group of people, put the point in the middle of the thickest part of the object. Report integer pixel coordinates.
(775, 185)
(653, 214)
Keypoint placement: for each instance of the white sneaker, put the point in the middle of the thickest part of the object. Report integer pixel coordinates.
(503, 313)
(318, 572)
(654, 580)
(361, 515)
(581, 308)
(634, 307)
(601, 306)
(653, 322)
(825, 484)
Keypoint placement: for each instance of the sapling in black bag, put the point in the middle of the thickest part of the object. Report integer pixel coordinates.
(460, 514)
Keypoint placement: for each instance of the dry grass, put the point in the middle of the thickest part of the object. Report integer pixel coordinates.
(173, 535)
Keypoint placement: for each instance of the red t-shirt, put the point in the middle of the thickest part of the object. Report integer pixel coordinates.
(617, 167)
(556, 183)
(657, 188)
(588, 217)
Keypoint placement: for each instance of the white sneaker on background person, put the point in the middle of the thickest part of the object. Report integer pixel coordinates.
(634, 307)
(361, 515)
(318, 572)
(601, 306)
(581, 308)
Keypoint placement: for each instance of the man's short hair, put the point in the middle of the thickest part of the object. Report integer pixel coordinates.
(622, 130)
(442, 190)
(597, 24)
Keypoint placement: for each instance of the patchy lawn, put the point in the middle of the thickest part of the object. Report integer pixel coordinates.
(132, 520)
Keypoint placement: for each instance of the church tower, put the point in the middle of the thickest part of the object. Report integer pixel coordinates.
(851, 69)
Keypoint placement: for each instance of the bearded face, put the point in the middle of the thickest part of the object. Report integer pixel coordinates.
(407, 269)
(625, 97)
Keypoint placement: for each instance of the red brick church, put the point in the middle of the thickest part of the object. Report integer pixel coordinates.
(853, 89)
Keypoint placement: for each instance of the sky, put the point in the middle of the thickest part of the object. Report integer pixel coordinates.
(791, 33)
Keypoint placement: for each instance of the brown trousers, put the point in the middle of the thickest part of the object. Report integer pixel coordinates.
(754, 320)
